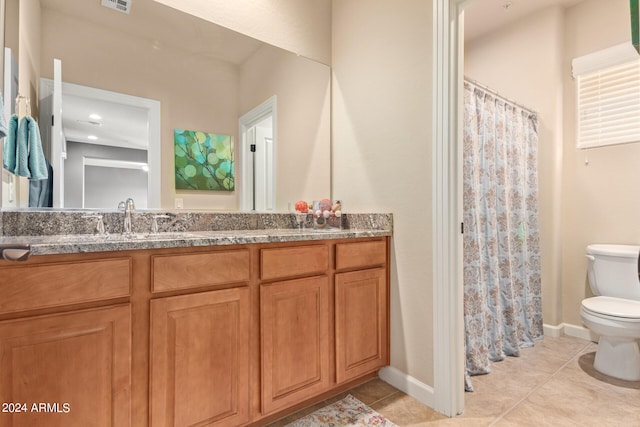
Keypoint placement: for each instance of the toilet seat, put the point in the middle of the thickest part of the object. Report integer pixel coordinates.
(613, 308)
(617, 323)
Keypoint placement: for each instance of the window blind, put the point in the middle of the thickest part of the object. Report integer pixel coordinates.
(608, 92)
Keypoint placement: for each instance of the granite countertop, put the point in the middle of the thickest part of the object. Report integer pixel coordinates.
(78, 243)
(65, 232)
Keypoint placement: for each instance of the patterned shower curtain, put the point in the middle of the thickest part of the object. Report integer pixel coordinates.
(502, 292)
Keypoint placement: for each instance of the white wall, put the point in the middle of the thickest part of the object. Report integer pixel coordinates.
(382, 108)
(106, 187)
(29, 52)
(601, 200)
(74, 177)
(303, 127)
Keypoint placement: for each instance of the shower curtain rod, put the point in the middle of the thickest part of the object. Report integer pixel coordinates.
(496, 93)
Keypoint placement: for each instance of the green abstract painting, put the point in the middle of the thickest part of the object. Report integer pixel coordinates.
(204, 161)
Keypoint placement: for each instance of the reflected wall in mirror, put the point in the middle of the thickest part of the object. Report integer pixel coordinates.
(204, 77)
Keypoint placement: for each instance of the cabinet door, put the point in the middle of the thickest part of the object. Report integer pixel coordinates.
(295, 341)
(68, 370)
(200, 359)
(361, 322)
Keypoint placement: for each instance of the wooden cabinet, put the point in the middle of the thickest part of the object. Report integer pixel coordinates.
(283, 262)
(28, 287)
(362, 308)
(361, 254)
(190, 271)
(200, 359)
(71, 369)
(228, 335)
(294, 319)
(361, 322)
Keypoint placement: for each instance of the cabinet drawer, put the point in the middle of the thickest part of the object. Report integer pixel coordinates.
(52, 285)
(298, 261)
(360, 254)
(173, 272)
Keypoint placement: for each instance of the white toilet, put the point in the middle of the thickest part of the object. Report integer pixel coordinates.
(614, 314)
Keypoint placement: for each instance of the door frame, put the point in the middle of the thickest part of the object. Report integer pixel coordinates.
(245, 122)
(448, 310)
(152, 106)
(10, 182)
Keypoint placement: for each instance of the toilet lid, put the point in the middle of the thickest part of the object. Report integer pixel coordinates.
(610, 306)
(627, 251)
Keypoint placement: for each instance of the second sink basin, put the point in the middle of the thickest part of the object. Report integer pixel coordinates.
(159, 236)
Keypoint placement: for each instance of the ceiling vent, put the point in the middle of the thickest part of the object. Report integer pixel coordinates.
(119, 5)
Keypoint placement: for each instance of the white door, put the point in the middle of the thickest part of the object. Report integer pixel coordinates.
(58, 151)
(257, 156)
(262, 153)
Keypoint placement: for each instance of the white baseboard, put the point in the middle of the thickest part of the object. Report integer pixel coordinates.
(580, 332)
(569, 330)
(553, 331)
(406, 383)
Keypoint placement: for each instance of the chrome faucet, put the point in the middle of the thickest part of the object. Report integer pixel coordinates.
(100, 230)
(128, 207)
(154, 223)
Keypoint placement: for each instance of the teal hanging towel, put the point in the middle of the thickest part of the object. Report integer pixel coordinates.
(30, 161)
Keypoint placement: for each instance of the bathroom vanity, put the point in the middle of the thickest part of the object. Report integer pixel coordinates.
(207, 327)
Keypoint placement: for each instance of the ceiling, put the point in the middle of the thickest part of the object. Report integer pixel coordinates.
(484, 16)
(116, 124)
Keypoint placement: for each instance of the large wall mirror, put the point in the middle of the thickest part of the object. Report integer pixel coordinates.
(168, 70)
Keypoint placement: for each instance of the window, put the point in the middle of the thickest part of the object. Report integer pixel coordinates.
(608, 96)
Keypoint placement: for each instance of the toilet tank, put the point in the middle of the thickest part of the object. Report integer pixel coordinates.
(613, 270)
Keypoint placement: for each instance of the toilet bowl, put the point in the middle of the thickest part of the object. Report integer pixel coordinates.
(617, 322)
(614, 313)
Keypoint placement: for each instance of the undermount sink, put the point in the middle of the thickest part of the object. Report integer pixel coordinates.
(81, 238)
(98, 238)
(159, 236)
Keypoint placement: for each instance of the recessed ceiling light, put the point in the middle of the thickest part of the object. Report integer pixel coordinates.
(92, 137)
(95, 116)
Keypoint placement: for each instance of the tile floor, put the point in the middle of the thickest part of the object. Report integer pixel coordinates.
(551, 384)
